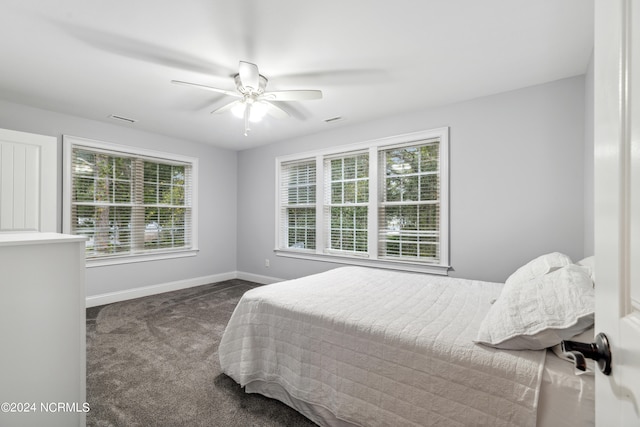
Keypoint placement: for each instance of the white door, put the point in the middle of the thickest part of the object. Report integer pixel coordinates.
(28, 182)
(617, 210)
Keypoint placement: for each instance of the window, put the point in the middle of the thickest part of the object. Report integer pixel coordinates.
(346, 203)
(410, 203)
(382, 203)
(129, 203)
(298, 195)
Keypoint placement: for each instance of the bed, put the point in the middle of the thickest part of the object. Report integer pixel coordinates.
(358, 346)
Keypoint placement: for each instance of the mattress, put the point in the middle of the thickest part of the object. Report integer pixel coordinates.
(361, 346)
(567, 397)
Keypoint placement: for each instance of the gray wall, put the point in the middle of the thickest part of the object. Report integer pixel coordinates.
(516, 168)
(217, 198)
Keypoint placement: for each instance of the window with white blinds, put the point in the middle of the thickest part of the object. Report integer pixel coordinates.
(383, 203)
(127, 203)
(346, 203)
(410, 204)
(298, 204)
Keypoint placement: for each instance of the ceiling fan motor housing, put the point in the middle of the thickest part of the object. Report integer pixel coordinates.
(262, 84)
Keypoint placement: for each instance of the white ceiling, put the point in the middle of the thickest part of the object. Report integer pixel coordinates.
(371, 58)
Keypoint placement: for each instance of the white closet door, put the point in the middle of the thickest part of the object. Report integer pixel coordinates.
(28, 181)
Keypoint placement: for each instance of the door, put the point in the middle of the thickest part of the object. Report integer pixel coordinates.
(28, 182)
(617, 206)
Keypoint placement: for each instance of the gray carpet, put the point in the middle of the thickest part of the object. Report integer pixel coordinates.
(153, 361)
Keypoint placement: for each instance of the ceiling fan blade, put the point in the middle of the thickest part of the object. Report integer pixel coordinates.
(292, 95)
(275, 111)
(358, 76)
(226, 107)
(249, 76)
(213, 89)
(129, 47)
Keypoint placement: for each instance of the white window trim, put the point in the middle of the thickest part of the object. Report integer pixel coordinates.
(68, 142)
(373, 146)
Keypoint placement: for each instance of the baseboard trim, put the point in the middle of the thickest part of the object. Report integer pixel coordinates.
(258, 278)
(111, 297)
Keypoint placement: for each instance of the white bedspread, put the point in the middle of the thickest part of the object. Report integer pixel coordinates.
(382, 348)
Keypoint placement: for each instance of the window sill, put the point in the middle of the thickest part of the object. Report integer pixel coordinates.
(128, 259)
(442, 270)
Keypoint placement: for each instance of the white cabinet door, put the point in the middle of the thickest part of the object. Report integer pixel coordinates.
(617, 210)
(42, 325)
(28, 182)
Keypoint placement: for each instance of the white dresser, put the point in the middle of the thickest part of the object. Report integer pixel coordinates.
(42, 330)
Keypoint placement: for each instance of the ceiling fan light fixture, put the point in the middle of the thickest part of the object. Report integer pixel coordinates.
(257, 110)
(238, 110)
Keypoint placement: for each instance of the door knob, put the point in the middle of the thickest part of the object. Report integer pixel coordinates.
(598, 350)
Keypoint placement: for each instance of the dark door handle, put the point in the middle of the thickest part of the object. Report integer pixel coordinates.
(598, 350)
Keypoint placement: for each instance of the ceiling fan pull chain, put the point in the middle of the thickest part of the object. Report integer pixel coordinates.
(247, 111)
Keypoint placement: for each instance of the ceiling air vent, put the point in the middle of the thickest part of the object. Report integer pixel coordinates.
(122, 119)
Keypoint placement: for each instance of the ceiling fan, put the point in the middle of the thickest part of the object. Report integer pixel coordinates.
(254, 102)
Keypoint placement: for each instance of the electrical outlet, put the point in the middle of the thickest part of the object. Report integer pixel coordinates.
(266, 262)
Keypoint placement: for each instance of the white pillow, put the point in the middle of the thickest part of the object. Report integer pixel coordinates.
(541, 312)
(589, 263)
(538, 267)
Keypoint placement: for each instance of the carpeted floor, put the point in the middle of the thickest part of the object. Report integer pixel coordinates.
(153, 361)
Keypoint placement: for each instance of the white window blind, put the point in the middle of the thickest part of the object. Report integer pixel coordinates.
(346, 203)
(298, 204)
(128, 204)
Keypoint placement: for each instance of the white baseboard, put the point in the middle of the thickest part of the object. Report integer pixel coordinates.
(111, 297)
(258, 278)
